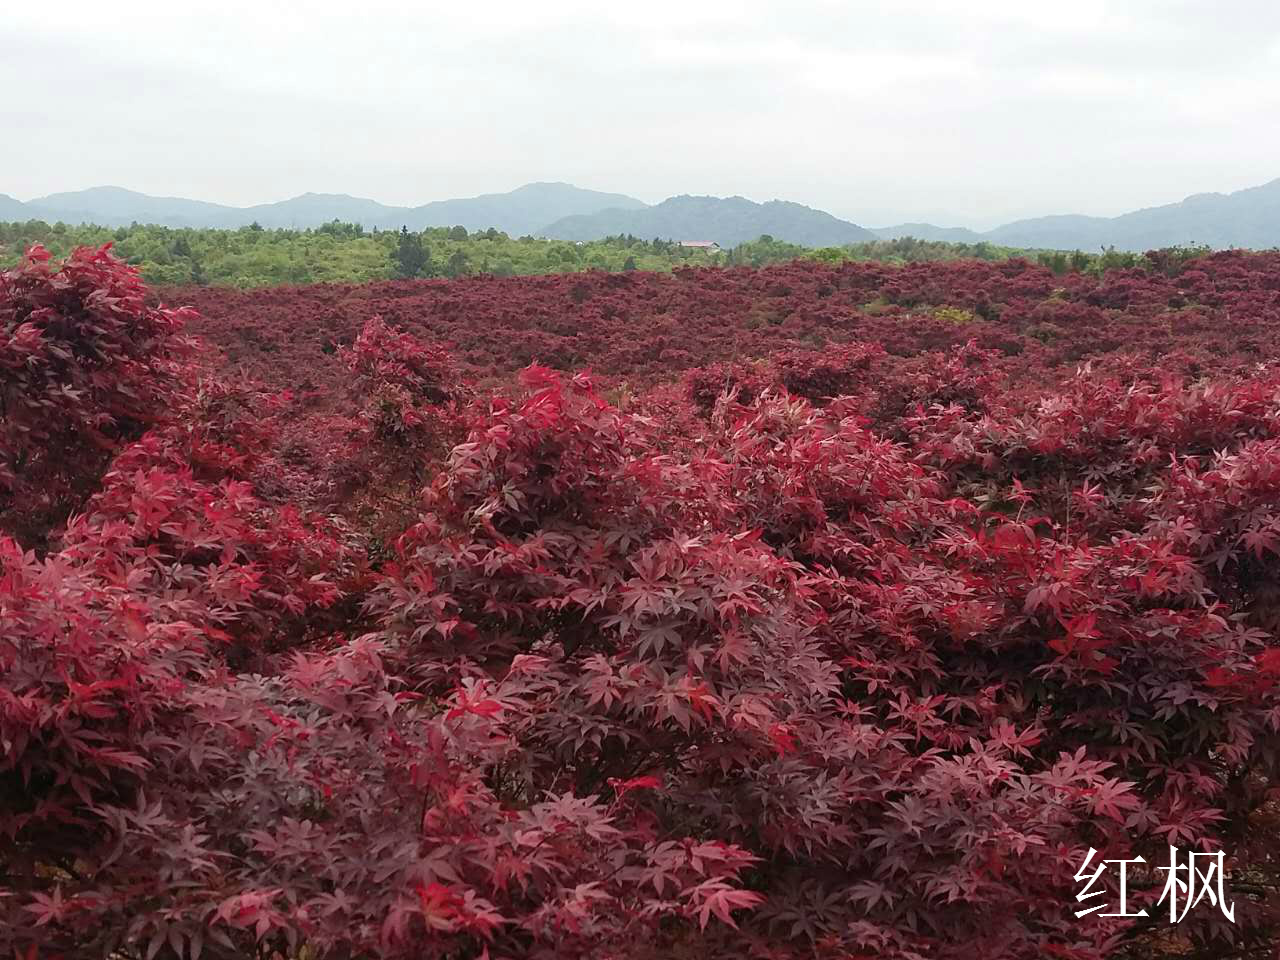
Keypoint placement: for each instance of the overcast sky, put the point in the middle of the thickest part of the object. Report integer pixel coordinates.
(969, 113)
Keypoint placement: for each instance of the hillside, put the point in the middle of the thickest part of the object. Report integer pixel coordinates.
(11, 209)
(313, 209)
(727, 221)
(517, 212)
(1248, 218)
(114, 206)
(927, 231)
(522, 211)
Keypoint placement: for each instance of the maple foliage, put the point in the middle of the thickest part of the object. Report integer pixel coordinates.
(1216, 314)
(792, 652)
(86, 366)
(413, 404)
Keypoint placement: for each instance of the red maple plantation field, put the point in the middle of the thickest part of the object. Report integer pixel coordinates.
(814, 611)
(1220, 314)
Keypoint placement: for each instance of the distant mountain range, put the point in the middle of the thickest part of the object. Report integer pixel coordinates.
(1246, 218)
(726, 221)
(522, 211)
(556, 210)
(927, 231)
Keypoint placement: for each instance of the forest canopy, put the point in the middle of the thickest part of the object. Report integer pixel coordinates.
(348, 253)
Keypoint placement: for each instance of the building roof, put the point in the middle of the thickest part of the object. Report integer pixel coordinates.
(699, 243)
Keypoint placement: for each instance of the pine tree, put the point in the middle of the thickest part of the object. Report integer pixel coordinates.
(410, 255)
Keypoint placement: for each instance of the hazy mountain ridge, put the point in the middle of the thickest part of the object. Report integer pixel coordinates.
(927, 231)
(125, 206)
(727, 221)
(11, 208)
(528, 208)
(313, 209)
(517, 212)
(557, 210)
(1245, 218)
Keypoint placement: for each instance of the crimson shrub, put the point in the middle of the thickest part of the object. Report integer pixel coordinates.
(834, 651)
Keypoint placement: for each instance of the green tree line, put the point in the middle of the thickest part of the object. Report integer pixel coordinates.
(342, 253)
(347, 253)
